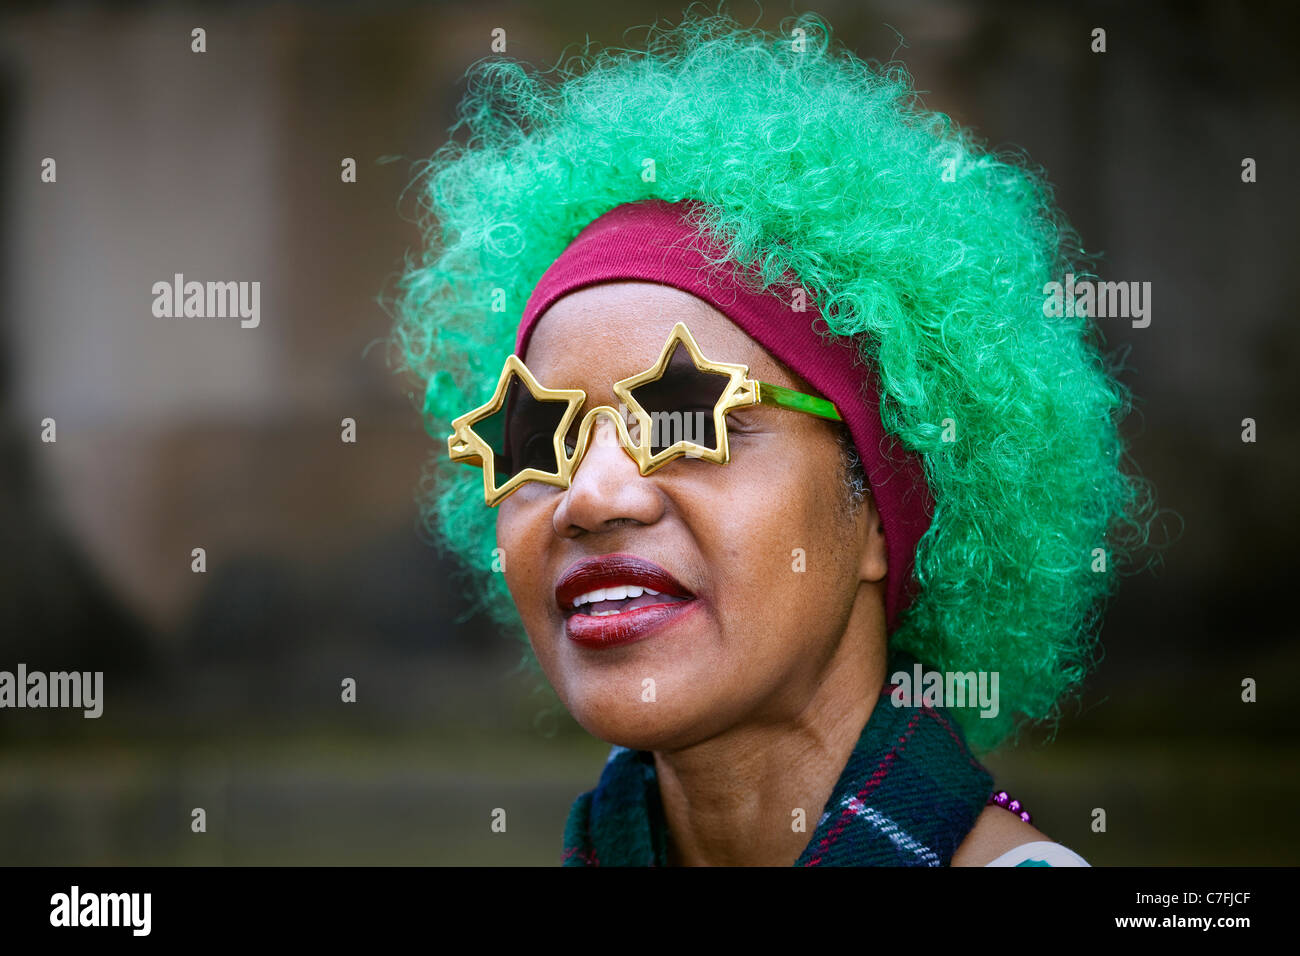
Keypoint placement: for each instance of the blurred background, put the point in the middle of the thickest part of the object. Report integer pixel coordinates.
(222, 689)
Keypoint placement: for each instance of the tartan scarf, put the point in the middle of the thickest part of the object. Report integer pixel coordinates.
(909, 794)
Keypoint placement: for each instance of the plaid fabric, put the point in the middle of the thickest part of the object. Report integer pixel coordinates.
(908, 796)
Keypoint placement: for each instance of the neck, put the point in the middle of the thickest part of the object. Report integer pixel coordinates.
(732, 800)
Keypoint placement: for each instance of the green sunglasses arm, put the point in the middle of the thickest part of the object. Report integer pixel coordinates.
(769, 394)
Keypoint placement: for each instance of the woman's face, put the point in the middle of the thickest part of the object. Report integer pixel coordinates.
(773, 569)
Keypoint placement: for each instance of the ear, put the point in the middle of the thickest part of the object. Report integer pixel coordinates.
(873, 564)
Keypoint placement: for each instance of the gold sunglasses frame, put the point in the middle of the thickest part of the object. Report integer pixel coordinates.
(465, 445)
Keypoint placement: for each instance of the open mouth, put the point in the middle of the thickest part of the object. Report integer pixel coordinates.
(618, 598)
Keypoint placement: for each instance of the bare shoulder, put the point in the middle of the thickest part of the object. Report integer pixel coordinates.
(995, 832)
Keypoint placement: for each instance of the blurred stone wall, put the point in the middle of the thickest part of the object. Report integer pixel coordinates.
(176, 434)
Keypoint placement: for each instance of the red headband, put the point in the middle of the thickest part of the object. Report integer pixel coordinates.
(652, 241)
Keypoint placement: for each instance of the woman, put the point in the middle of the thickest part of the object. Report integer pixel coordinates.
(784, 429)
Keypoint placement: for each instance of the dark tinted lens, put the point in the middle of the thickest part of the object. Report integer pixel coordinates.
(681, 403)
(522, 432)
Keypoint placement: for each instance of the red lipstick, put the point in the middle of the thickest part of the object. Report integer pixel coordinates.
(622, 620)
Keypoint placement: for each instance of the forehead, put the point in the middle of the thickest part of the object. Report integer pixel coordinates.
(613, 330)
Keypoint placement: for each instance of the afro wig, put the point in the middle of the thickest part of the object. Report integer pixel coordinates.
(926, 249)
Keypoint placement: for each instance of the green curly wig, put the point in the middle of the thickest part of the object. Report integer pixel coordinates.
(928, 249)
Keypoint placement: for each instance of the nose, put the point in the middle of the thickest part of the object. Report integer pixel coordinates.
(606, 489)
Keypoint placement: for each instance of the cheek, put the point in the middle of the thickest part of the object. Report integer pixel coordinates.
(521, 554)
(778, 551)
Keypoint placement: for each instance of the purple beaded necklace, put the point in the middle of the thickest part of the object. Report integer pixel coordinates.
(1003, 799)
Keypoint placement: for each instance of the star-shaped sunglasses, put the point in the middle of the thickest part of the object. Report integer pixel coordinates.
(677, 408)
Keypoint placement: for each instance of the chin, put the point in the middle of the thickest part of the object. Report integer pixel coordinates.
(617, 714)
(664, 693)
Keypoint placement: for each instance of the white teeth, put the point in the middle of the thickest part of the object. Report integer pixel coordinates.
(619, 592)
